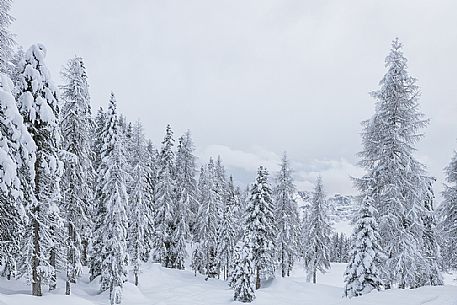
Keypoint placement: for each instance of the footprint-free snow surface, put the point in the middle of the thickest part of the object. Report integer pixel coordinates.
(160, 286)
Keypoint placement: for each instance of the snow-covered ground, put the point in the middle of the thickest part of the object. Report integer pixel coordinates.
(160, 286)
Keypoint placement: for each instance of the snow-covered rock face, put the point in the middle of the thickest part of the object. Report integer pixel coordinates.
(341, 209)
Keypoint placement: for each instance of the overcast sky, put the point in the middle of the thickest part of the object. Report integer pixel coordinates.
(251, 79)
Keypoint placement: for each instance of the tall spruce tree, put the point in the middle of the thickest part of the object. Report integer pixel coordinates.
(39, 107)
(17, 158)
(317, 250)
(204, 257)
(186, 186)
(151, 163)
(165, 202)
(448, 217)
(229, 231)
(79, 175)
(260, 227)
(362, 274)
(139, 214)
(6, 38)
(186, 182)
(399, 186)
(105, 144)
(113, 202)
(287, 219)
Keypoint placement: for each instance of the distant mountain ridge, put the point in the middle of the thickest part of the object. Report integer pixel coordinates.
(341, 209)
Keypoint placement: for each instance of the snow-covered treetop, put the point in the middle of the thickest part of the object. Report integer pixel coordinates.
(76, 87)
(38, 97)
(398, 100)
(16, 144)
(451, 170)
(109, 133)
(167, 155)
(6, 39)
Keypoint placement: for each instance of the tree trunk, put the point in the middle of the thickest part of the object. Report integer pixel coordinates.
(36, 278)
(314, 276)
(52, 262)
(257, 280)
(70, 260)
(283, 265)
(136, 278)
(67, 287)
(84, 245)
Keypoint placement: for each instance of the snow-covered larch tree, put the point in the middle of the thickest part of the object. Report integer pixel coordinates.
(362, 274)
(399, 186)
(287, 219)
(79, 175)
(39, 107)
(317, 249)
(260, 227)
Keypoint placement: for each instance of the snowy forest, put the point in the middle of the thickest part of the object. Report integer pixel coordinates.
(84, 194)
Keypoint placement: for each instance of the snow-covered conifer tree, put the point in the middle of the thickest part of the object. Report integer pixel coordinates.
(97, 134)
(6, 38)
(362, 274)
(17, 158)
(186, 186)
(431, 274)
(151, 172)
(79, 175)
(287, 220)
(165, 202)
(448, 217)
(317, 250)
(113, 201)
(260, 227)
(243, 274)
(139, 214)
(229, 230)
(399, 187)
(186, 179)
(106, 124)
(39, 107)
(204, 258)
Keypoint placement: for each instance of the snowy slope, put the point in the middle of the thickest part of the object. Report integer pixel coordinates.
(161, 286)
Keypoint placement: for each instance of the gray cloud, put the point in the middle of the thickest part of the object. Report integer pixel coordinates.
(277, 74)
